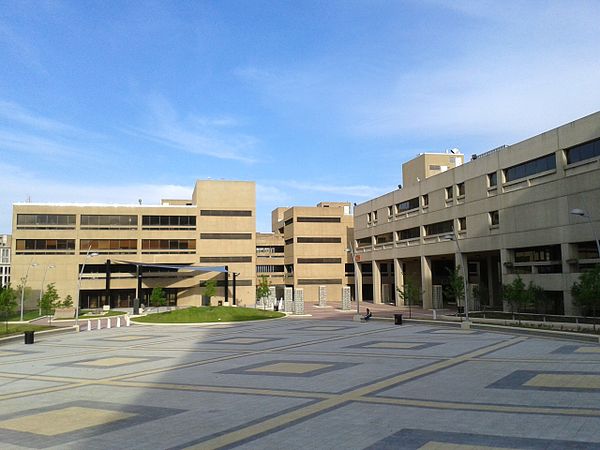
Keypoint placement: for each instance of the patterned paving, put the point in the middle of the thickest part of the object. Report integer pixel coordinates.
(297, 384)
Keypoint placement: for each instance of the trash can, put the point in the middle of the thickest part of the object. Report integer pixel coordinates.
(398, 319)
(460, 310)
(29, 337)
(275, 307)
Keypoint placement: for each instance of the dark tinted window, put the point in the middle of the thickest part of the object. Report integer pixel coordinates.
(583, 152)
(531, 167)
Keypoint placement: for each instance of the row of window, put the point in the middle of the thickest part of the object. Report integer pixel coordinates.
(546, 163)
(112, 220)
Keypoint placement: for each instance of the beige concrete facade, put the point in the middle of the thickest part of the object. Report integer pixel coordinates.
(270, 258)
(316, 239)
(216, 227)
(510, 210)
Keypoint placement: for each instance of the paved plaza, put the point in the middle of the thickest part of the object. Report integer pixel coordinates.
(299, 384)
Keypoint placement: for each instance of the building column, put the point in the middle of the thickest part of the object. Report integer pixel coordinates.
(398, 281)
(426, 286)
(490, 280)
(358, 282)
(376, 282)
(568, 252)
(460, 259)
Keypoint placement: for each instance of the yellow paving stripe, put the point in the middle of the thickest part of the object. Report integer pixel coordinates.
(437, 404)
(300, 413)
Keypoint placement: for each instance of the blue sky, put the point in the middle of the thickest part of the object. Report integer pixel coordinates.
(313, 100)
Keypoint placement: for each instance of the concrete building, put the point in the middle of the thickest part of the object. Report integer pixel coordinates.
(5, 244)
(123, 251)
(316, 239)
(270, 260)
(505, 213)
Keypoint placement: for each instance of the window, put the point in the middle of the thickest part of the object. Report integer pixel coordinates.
(413, 203)
(364, 242)
(587, 250)
(225, 213)
(425, 199)
(289, 241)
(461, 189)
(163, 245)
(289, 221)
(269, 269)
(368, 217)
(28, 246)
(225, 259)
(449, 193)
(494, 218)
(319, 240)
(319, 260)
(530, 168)
(164, 222)
(390, 211)
(538, 254)
(225, 235)
(108, 245)
(319, 281)
(462, 223)
(319, 219)
(384, 238)
(112, 221)
(410, 233)
(64, 221)
(492, 179)
(439, 228)
(583, 151)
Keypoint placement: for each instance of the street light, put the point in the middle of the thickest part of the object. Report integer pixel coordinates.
(87, 255)
(31, 264)
(583, 213)
(49, 266)
(351, 250)
(452, 237)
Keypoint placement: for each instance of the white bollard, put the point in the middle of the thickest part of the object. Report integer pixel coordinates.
(108, 325)
(89, 324)
(99, 324)
(434, 314)
(127, 321)
(119, 322)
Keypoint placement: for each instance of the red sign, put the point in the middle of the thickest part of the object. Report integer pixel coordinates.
(357, 258)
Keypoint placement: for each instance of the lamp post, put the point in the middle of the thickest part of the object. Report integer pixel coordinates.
(49, 266)
(352, 252)
(87, 255)
(31, 264)
(453, 237)
(583, 213)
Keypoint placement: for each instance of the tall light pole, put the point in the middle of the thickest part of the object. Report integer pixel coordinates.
(454, 237)
(583, 213)
(352, 252)
(49, 266)
(31, 264)
(87, 255)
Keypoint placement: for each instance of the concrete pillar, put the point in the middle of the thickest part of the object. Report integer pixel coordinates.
(490, 281)
(272, 297)
(398, 281)
(505, 258)
(345, 298)
(460, 260)
(288, 299)
(426, 286)
(299, 301)
(376, 282)
(322, 296)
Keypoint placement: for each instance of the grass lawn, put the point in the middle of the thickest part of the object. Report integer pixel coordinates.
(27, 315)
(209, 314)
(17, 329)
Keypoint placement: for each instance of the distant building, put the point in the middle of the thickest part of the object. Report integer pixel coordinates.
(504, 214)
(5, 242)
(215, 230)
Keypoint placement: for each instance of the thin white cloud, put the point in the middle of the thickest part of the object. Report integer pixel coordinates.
(16, 113)
(195, 134)
(354, 191)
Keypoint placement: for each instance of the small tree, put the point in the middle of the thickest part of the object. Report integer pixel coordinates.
(210, 289)
(158, 298)
(67, 302)
(516, 294)
(537, 297)
(8, 303)
(586, 292)
(410, 294)
(50, 300)
(262, 290)
(456, 286)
